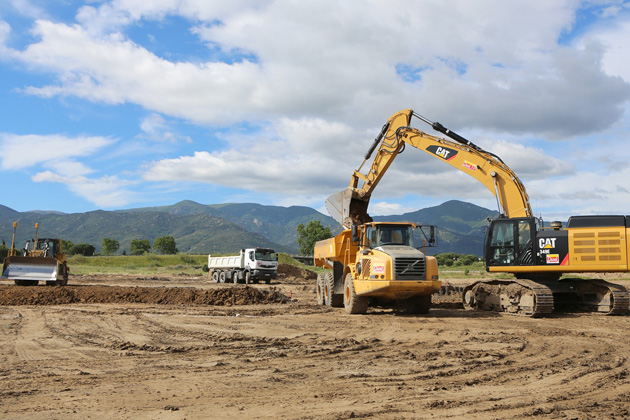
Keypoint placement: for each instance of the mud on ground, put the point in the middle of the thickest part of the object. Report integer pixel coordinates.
(267, 352)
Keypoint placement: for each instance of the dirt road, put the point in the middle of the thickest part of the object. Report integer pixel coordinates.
(188, 359)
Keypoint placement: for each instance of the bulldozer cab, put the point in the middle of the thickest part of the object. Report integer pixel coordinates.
(44, 247)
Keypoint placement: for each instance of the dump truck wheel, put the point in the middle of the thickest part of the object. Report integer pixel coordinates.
(330, 298)
(215, 277)
(353, 303)
(247, 277)
(222, 277)
(234, 277)
(319, 287)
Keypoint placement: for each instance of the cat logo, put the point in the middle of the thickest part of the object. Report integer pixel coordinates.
(443, 152)
(547, 243)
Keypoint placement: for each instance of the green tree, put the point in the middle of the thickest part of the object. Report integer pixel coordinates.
(66, 246)
(4, 251)
(83, 249)
(309, 234)
(165, 245)
(110, 246)
(139, 246)
(469, 259)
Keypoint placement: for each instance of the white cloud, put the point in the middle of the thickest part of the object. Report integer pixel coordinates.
(384, 208)
(23, 151)
(155, 127)
(104, 192)
(308, 63)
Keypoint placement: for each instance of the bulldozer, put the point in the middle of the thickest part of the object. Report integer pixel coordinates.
(541, 257)
(42, 259)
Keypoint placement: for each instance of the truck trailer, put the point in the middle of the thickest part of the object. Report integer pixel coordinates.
(251, 265)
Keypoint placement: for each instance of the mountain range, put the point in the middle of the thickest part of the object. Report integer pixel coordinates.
(224, 228)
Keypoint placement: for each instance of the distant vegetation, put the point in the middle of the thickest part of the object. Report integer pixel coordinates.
(226, 228)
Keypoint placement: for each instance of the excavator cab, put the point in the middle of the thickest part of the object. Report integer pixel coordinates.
(510, 242)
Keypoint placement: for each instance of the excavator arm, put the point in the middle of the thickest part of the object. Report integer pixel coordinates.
(349, 207)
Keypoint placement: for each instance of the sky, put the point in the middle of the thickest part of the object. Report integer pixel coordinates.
(122, 104)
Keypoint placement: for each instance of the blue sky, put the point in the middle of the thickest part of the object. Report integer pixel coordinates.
(127, 103)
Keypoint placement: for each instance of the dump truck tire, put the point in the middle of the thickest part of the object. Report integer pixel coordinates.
(353, 303)
(319, 288)
(330, 298)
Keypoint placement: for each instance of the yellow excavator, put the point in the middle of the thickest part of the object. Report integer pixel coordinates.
(516, 241)
(42, 260)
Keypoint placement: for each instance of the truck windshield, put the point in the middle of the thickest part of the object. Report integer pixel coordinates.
(390, 235)
(266, 255)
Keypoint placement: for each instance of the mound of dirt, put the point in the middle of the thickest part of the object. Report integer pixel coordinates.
(42, 295)
(291, 271)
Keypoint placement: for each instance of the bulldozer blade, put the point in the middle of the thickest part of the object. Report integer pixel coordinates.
(30, 268)
(347, 208)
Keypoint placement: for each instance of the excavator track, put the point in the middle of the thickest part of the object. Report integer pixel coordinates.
(534, 299)
(596, 296)
(515, 297)
(620, 297)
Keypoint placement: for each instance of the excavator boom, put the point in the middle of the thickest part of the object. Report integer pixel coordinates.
(349, 207)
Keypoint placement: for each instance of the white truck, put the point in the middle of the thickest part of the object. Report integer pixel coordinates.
(250, 266)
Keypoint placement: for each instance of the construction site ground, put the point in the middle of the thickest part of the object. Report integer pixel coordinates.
(181, 347)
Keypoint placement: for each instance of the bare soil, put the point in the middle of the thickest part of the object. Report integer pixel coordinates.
(181, 347)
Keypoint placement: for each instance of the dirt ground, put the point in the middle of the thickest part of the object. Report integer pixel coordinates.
(181, 347)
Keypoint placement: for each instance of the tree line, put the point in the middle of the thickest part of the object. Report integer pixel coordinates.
(163, 245)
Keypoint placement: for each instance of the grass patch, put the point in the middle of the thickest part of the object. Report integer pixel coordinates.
(136, 264)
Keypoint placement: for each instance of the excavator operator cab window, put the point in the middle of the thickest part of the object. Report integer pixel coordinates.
(509, 242)
(501, 250)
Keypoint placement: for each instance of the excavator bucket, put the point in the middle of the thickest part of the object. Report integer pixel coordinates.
(348, 208)
(30, 269)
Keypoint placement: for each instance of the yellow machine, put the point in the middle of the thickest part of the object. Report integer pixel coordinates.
(516, 242)
(43, 260)
(378, 264)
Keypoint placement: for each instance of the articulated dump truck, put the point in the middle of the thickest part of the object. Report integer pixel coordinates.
(376, 264)
(42, 260)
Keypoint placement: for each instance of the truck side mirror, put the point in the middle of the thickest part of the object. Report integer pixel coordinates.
(355, 234)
